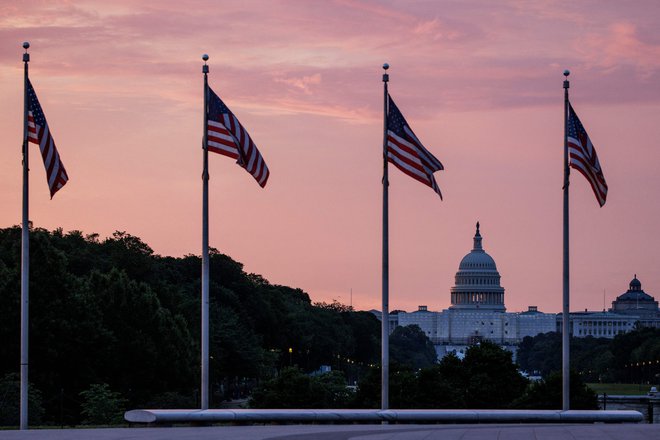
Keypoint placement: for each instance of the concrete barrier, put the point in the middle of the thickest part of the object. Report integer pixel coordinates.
(170, 416)
(648, 405)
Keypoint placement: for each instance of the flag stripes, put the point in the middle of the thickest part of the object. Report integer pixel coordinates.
(407, 153)
(220, 140)
(228, 137)
(583, 157)
(39, 133)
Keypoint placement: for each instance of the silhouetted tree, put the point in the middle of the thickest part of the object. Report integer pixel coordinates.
(547, 394)
(410, 346)
(492, 379)
(111, 311)
(294, 389)
(443, 385)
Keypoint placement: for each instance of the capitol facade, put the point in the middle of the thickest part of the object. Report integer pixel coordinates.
(477, 311)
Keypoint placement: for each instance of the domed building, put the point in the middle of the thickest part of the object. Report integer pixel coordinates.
(477, 310)
(635, 301)
(477, 282)
(631, 309)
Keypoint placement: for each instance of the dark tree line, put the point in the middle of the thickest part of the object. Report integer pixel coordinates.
(115, 326)
(110, 311)
(632, 357)
(485, 378)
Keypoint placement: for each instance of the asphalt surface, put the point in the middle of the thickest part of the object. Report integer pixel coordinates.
(354, 432)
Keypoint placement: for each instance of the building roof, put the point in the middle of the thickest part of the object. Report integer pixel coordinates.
(635, 293)
(599, 315)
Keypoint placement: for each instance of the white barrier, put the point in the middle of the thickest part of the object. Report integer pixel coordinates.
(169, 416)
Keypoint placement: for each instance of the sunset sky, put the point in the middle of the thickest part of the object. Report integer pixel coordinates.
(480, 82)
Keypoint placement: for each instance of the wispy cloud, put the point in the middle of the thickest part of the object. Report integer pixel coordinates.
(303, 83)
(620, 46)
(479, 80)
(308, 56)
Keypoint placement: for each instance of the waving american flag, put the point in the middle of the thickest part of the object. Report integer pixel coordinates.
(227, 136)
(583, 156)
(406, 152)
(39, 133)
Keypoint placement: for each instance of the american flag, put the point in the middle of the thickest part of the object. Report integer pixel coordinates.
(583, 156)
(228, 137)
(406, 152)
(39, 133)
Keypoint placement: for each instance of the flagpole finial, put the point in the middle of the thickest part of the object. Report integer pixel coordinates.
(566, 85)
(386, 77)
(566, 73)
(26, 55)
(205, 67)
(386, 66)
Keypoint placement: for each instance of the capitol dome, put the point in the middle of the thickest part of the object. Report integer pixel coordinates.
(477, 259)
(477, 281)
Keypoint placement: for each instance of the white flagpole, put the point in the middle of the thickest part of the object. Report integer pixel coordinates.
(25, 254)
(385, 321)
(565, 341)
(204, 394)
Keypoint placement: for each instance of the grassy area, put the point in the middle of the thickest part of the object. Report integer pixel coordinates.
(624, 389)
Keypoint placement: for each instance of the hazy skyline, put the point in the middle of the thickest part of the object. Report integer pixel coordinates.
(479, 82)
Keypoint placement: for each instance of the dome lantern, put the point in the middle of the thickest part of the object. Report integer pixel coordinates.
(477, 240)
(635, 284)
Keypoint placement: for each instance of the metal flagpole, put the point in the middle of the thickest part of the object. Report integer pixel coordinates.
(566, 288)
(385, 321)
(204, 399)
(25, 253)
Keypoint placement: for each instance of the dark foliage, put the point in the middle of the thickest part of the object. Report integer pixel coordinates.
(111, 311)
(294, 389)
(493, 380)
(10, 392)
(636, 356)
(485, 378)
(443, 385)
(102, 406)
(632, 357)
(547, 394)
(410, 346)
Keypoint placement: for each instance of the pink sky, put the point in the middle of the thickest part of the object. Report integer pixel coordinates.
(480, 82)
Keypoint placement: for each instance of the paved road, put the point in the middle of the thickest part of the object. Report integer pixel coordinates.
(353, 432)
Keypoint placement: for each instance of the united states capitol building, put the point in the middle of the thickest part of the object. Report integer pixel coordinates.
(477, 311)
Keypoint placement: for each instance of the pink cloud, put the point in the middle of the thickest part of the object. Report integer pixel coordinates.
(479, 81)
(303, 83)
(621, 47)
